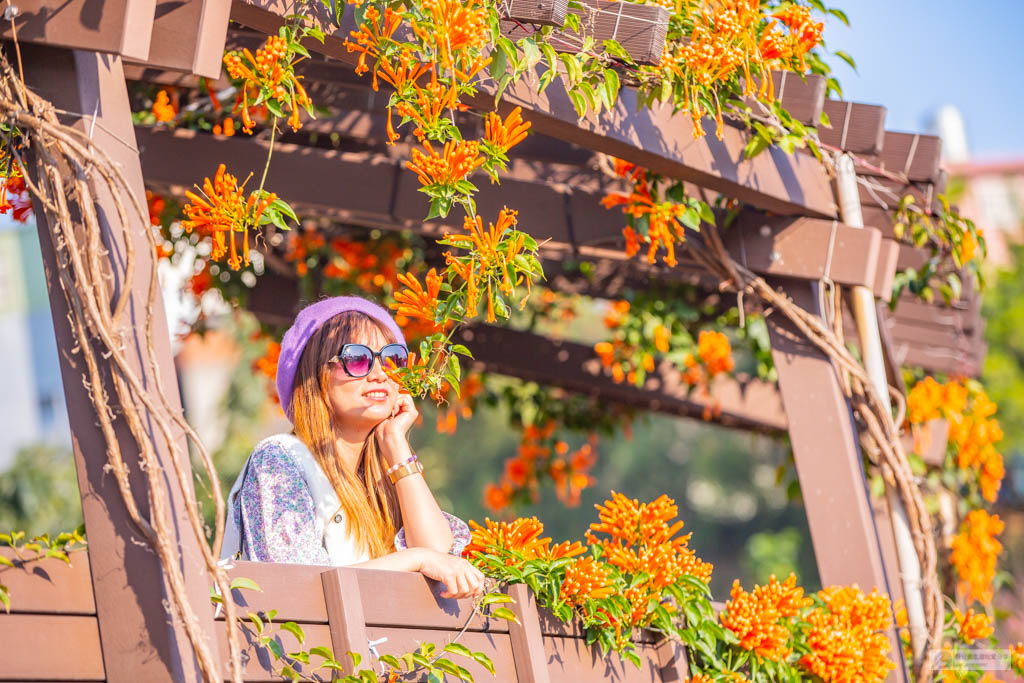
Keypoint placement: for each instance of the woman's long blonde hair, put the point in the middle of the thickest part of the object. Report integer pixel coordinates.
(368, 498)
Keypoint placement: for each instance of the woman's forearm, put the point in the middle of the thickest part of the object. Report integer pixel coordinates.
(425, 525)
(408, 560)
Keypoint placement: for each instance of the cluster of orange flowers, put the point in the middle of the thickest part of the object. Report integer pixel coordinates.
(164, 110)
(540, 453)
(268, 75)
(521, 537)
(971, 626)
(586, 579)
(789, 49)
(975, 552)
(847, 637)
(220, 210)
(760, 618)
(973, 432)
(664, 229)
(266, 366)
(640, 538)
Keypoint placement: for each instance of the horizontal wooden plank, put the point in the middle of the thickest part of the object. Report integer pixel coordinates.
(655, 138)
(410, 600)
(570, 659)
(750, 404)
(802, 96)
(47, 647)
(376, 191)
(120, 27)
(497, 646)
(49, 586)
(913, 155)
(294, 590)
(855, 127)
(540, 12)
(258, 664)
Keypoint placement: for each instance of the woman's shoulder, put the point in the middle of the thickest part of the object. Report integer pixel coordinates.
(280, 447)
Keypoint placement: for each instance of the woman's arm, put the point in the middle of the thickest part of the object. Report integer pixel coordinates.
(425, 525)
(460, 578)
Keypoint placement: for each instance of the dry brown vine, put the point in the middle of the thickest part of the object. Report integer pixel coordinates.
(878, 429)
(64, 174)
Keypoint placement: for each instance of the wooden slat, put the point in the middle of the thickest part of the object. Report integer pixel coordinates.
(914, 155)
(639, 29)
(49, 586)
(541, 12)
(802, 96)
(570, 659)
(527, 643)
(494, 645)
(672, 662)
(654, 138)
(301, 583)
(257, 662)
(188, 36)
(345, 610)
(40, 647)
(120, 27)
(411, 600)
(855, 127)
(885, 269)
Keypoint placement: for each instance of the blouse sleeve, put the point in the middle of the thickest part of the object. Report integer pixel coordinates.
(460, 534)
(276, 511)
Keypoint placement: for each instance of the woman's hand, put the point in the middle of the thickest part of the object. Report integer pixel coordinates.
(460, 578)
(392, 432)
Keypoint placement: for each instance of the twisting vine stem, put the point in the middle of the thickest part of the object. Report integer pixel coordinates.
(67, 173)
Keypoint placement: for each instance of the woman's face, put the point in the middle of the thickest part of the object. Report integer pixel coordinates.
(362, 402)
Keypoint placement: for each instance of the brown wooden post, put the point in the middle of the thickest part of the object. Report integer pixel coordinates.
(345, 615)
(828, 459)
(140, 641)
(527, 641)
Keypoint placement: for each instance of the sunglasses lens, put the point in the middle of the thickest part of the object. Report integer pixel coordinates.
(395, 354)
(356, 360)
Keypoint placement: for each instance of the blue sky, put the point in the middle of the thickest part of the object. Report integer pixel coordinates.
(914, 56)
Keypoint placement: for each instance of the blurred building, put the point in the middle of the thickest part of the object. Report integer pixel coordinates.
(32, 406)
(991, 193)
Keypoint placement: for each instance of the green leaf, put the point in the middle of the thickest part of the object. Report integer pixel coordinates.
(484, 661)
(275, 649)
(242, 582)
(356, 658)
(295, 630)
(840, 14)
(615, 49)
(578, 103)
(459, 649)
(391, 661)
(5, 598)
(496, 599)
(506, 614)
(846, 58)
(5, 562)
(321, 651)
(611, 87)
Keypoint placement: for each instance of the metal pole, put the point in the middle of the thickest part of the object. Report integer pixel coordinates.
(866, 315)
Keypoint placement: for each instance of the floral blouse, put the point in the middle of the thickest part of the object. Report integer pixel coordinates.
(278, 518)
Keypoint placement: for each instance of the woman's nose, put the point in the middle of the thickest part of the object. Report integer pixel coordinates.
(377, 373)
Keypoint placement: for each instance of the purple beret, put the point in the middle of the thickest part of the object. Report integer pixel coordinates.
(309, 320)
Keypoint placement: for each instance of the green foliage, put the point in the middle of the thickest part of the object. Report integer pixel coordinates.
(39, 492)
(36, 548)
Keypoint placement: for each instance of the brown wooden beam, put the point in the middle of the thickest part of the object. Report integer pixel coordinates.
(915, 156)
(374, 190)
(856, 128)
(655, 138)
(140, 641)
(188, 36)
(119, 27)
(829, 464)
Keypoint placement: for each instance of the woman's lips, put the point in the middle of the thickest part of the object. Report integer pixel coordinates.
(377, 395)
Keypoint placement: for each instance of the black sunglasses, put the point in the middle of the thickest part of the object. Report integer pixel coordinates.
(357, 359)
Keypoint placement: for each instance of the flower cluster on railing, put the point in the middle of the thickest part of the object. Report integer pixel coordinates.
(637, 571)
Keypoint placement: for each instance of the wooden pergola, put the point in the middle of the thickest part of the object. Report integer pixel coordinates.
(110, 612)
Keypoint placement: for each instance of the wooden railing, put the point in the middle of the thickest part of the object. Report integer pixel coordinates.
(52, 632)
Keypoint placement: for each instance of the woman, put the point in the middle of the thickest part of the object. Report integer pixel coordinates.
(336, 490)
